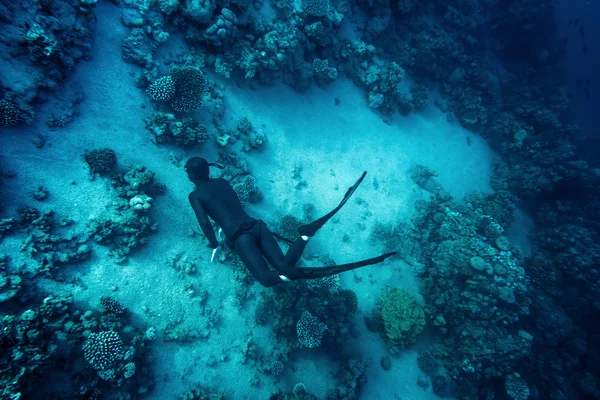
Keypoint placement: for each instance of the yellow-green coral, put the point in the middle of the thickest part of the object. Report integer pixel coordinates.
(403, 318)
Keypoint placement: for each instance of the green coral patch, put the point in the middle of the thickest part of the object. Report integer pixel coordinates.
(403, 318)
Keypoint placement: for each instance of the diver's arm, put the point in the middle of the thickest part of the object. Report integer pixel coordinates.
(204, 222)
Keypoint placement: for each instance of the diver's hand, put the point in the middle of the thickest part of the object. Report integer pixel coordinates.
(219, 241)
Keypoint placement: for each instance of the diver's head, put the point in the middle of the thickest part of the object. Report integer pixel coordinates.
(197, 169)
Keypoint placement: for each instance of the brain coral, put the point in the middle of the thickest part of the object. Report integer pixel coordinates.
(403, 318)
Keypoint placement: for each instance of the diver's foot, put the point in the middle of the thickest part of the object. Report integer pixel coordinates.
(284, 278)
(311, 229)
(388, 255)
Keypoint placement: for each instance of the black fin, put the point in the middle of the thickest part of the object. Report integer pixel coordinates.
(313, 227)
(336, 269)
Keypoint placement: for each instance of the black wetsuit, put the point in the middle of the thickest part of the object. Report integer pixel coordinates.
(251, 239)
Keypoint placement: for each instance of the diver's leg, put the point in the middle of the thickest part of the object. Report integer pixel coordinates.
(247, 247)
(292, 256)
(322, 272)
(269, 246)
(313, 227)
(272, 252)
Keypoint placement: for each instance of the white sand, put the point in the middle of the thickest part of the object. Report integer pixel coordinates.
(333, 144)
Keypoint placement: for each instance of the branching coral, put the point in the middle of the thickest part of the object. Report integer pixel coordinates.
(162, 89)
(102, 349)
(310, 330)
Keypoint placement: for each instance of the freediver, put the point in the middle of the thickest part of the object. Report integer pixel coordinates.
(250, 238)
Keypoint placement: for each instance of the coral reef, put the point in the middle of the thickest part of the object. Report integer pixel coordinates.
(183, 264)
(247, 190)
(128, 225)
(427, 363)
(351, 376)
(122, 232)
(487, 309)
(224, 30)
(137, 48)
(315, 8)
(46, 40)
(165, 128)
(140, 202)
(516, 388)
(45, 244)
(41, 338)
(137, 180)
(302, 318)
(287, 226)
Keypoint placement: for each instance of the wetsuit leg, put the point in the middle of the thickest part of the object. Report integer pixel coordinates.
(247, 247)
(269, 246)
(285, 265)
(292, 256)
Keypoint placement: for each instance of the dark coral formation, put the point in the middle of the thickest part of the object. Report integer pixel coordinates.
(127, 226)
(100, 160)
(46, 40)
(190, 87)
(42, 363)
(427, 363)
(112, 305)
(496, 294)
(45, 241)
(166, 128)
(9, 113)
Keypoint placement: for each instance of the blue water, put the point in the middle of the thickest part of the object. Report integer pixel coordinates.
(476, 124)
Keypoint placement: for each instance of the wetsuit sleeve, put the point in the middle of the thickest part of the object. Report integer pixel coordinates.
(203, 220)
